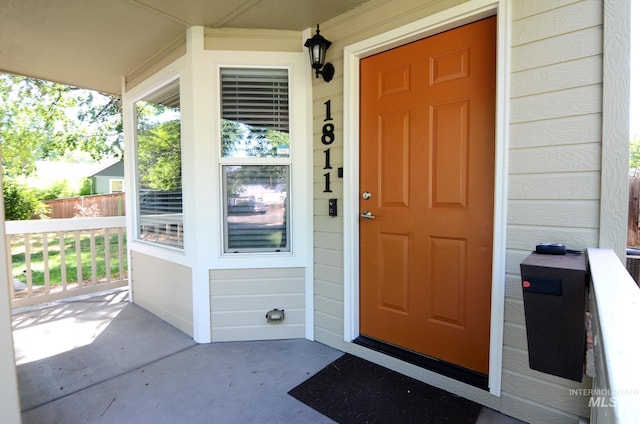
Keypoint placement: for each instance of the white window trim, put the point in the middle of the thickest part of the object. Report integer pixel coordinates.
(465, 13)
(257, 161)
(300, 161)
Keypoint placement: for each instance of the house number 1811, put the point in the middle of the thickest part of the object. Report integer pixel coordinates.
(327, 138)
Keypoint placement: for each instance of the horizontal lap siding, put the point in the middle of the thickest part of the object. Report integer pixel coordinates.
(164, 289)
(554, 171)
(328, 236)
(554, 175)
(240, 300)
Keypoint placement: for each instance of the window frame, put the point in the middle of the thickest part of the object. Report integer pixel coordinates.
(225, 214)
(299, 160)
(253, 161)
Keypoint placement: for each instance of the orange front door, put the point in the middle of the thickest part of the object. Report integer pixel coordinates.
(427, 180)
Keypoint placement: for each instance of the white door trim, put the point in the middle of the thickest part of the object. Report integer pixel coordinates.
(448, 19)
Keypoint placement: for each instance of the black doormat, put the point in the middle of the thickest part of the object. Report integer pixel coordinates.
(351, 390)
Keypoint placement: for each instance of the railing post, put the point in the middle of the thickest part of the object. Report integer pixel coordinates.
(121, 251)
(63, 261)
(45, 260)
(107, 254)
(76, 235)
(94, 271)
(7, 240)
(27, 263)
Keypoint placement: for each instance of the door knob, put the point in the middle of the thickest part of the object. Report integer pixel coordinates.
(367, 215)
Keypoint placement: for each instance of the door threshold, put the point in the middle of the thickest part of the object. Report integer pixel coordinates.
(447, 369)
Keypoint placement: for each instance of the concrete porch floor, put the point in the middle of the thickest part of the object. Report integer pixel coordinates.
(102, 359)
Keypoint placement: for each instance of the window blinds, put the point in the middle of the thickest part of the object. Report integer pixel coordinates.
(256, 97)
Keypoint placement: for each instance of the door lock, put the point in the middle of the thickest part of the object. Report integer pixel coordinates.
(366, 195)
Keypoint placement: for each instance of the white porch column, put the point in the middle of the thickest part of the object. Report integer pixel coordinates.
(198, 176)
(616, 74)
(9, 400)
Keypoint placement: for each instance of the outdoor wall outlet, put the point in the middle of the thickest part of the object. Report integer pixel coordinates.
(275, 316)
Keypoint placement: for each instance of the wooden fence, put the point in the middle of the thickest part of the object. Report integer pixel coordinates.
(87, 206)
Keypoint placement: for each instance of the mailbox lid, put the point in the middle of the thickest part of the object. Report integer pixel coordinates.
(570, 261)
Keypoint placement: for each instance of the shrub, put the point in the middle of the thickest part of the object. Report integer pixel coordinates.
(86, 188)
(59, 189)
(21, 202)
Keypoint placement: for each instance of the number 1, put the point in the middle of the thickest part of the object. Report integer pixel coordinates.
(328, 111)
(327, 161)
(327, 183)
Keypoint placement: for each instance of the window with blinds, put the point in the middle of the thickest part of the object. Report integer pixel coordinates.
(255, 112)
(159, 167)
(255, 159)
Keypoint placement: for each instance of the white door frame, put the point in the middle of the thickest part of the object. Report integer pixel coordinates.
(465, 13)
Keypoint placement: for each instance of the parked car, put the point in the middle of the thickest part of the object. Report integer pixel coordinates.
(247, 208)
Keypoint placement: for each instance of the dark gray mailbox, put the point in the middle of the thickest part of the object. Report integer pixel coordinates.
(554, 292)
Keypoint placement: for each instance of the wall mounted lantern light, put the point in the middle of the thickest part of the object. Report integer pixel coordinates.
(318, 46)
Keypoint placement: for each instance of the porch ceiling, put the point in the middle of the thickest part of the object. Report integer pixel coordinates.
(92, 44)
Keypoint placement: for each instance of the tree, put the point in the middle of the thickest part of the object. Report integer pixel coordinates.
(634, 157)
(231, 131)
(43, 120)
(243, 140)
(20, 202)
(159, 156)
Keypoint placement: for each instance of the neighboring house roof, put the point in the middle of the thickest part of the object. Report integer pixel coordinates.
(110, 168)
(72, 170)
(47, 171)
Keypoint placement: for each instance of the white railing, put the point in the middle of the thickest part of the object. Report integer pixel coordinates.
(615, 308)
(51, 250)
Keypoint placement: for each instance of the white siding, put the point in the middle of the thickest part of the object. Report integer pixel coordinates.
(553, 185)
(164, 289)
(616, 82)
(240, 299)
(554, 181)
(251, 39)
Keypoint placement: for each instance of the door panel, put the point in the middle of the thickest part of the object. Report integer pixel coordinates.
(394, 290)
(427, 157)
(447, 291)
(449, 154)
(393, 145)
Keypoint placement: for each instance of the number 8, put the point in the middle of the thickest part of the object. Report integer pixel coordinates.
(327, 133)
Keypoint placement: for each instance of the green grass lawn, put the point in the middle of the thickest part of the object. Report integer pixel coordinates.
(54, 260)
